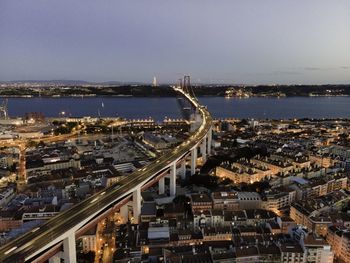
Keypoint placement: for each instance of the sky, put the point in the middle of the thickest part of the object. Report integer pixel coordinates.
(217, 41)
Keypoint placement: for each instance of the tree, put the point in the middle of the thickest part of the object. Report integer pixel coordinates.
(226, 181)
(205, 180)
(86, 257)
(31, 144)
(181, 199)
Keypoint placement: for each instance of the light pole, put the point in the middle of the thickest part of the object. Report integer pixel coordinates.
(112, 133)
(62, 114)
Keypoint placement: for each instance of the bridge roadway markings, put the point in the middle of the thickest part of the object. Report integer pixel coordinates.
(27, 245)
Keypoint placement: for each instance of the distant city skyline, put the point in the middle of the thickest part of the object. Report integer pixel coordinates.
(241, 42)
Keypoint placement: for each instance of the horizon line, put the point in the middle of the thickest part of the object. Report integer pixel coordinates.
(110, 82)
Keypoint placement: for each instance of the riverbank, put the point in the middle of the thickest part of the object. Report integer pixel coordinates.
(21, 90)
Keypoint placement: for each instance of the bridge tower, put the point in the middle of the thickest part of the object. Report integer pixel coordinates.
(179, 83)
(187, 84)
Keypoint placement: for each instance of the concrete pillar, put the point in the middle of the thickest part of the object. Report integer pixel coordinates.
(124, 211)
(136, 204)
(161, 186)
(204, 149)
(69, 249)
(210, 139)
(183, 170)
(172, 185)
(193, 160)
(55, 259)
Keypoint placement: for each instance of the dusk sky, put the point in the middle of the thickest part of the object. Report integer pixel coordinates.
(231, 41)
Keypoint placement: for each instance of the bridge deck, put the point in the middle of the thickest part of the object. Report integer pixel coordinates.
(55, 230)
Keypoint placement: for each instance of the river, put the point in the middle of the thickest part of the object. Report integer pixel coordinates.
(158, 108)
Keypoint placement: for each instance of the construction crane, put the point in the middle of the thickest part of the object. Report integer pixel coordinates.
(3, 110)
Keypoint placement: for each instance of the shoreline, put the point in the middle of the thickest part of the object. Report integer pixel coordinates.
(133, 96)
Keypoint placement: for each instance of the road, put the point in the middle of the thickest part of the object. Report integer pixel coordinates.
(27, 245)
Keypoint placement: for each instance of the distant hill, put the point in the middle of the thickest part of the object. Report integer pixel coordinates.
(57, 82)
(137, 89)
(71, 82)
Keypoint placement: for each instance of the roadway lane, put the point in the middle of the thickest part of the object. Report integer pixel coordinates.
(28, 244)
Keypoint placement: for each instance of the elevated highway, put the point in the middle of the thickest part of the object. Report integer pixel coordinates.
(60, 232)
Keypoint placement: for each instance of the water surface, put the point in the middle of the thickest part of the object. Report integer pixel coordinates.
(158, 108)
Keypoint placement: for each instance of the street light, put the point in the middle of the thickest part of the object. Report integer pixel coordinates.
(62, 114)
